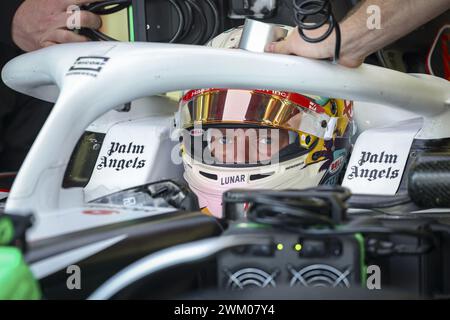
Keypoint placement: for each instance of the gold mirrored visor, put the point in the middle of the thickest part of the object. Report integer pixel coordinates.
(241, 146)
(264, 108)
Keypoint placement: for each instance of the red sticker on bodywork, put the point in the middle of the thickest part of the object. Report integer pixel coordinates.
(100, 212)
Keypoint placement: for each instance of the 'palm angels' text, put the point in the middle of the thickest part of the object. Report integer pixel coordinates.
(374, 174)
(118, 163)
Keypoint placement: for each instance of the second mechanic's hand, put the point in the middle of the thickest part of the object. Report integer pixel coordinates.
(41, 23)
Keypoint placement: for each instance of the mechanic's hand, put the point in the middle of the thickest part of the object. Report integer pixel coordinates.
(41, 23)
(294, 44)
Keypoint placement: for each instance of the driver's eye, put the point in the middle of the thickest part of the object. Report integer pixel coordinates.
(225, 140)
(266, 140)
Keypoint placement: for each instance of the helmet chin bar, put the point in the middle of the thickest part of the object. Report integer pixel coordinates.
(96, 77)
(280, 175)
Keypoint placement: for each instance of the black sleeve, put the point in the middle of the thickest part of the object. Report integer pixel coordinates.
(7, 10)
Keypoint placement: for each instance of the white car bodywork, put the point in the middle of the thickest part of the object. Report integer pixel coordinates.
(87, 80)
(132, 152)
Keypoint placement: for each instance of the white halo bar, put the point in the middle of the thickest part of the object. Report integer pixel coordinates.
(142, 69)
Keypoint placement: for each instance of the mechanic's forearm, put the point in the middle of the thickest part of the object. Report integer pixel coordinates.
(398, 18)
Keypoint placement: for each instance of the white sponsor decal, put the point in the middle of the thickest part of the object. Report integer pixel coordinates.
(87, 66)
(379, 158)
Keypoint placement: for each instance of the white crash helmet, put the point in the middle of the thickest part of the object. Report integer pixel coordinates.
(259, 139)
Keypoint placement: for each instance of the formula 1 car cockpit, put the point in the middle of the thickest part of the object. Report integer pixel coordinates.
(130, 182)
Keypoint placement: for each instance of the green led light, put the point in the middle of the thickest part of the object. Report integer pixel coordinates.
(280, 246)
(298, 247)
